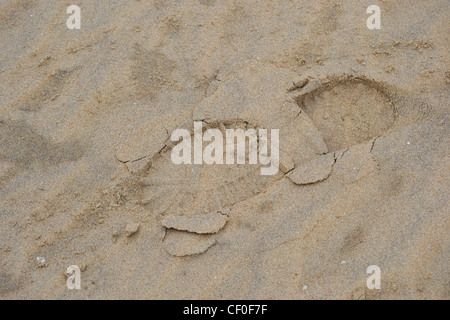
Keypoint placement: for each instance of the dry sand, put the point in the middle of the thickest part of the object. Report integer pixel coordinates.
(85, 171)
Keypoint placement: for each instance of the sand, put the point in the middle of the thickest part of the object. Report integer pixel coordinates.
(86, 176)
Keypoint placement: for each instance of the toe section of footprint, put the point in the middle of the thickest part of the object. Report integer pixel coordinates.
(181, 244)
(190, 235)
(348, 111)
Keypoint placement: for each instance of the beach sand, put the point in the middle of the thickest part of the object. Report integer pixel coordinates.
(86, 176)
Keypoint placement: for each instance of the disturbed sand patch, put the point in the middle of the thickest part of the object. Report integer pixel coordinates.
(190, 198)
